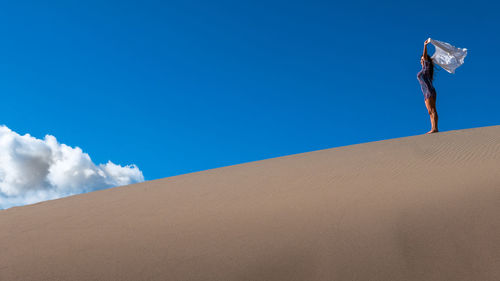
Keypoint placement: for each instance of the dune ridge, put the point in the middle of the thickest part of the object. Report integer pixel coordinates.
(424, 207)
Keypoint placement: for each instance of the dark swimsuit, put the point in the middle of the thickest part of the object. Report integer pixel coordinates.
(424, 78)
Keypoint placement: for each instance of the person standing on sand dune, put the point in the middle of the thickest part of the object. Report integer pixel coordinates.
(425, 77)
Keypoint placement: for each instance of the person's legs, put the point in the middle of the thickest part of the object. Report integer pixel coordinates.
(434, 115)
(430, 103)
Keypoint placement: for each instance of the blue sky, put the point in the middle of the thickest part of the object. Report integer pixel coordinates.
(182, 86)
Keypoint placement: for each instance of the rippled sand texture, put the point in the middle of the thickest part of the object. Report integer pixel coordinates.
(417, 208)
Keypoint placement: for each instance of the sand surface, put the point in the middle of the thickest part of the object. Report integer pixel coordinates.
(417, 208)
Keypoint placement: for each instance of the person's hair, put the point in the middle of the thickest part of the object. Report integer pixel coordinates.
(431, 67)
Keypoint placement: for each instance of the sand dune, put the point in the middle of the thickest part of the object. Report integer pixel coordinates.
(417, 208)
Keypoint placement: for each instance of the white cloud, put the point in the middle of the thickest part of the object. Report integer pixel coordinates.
(34, 170)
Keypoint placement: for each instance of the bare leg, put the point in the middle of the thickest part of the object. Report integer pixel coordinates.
(434, 116)
(431, 108)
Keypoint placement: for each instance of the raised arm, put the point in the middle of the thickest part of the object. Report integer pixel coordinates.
(425, 47)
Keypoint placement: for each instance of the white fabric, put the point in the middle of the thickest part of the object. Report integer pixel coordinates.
(447, 56)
